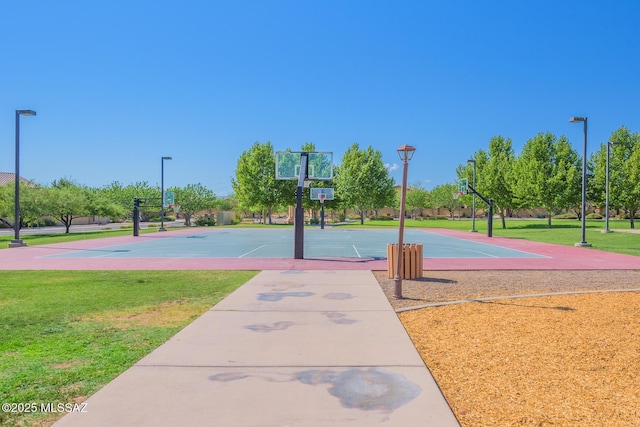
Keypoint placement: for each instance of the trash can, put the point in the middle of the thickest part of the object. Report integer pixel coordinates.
(411, 262)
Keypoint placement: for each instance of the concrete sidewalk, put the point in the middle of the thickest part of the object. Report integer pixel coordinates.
(288, 348)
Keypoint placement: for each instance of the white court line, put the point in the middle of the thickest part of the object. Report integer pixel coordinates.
(260, 247)
(358, 253)
(488, 255)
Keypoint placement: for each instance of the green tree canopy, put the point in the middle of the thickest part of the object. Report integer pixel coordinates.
(548, 174)
(624, 168)
(123, 196)
(255, 183)
(442, 197)
(192, 199)
(66, 201)
(418, 198)
(362, 181)
(32, 204)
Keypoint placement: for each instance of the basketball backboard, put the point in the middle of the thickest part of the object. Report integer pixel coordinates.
(463, 186)
(316, 193)
(169, 199)
(320, 165)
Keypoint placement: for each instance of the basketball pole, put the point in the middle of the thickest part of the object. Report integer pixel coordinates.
(298, 242)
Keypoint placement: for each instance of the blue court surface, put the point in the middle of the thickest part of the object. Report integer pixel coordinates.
(278, 243)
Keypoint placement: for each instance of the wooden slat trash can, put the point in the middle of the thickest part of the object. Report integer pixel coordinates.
(412, 260)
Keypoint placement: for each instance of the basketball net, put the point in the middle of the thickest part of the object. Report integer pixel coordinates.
(322, 197)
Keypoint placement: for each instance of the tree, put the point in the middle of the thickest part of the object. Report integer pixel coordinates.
(362, 181)
(192, 199)
(100, 205)
(255, 184)
(66, 201)
(31, 204)
(624, 167)
(442, 197)
(494, 175)
(6, 204)
(124, 195)
(548, 174)
(228, 203)
(417, 199)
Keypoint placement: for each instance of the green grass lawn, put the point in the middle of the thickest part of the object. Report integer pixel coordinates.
(65, 334)
(49, 238)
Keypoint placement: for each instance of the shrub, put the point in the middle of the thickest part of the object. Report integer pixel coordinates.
(314, 221)
(594, 215)
(566, 216)
(627, 216)
(202, 221)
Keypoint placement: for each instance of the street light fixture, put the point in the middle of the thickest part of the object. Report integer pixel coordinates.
(583, 242)
(17, 242)
(606, 213)
(473, 213)
(162, 193)
(406, 153)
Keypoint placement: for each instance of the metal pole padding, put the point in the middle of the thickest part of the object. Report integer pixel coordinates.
(298, 241)
(136, 217)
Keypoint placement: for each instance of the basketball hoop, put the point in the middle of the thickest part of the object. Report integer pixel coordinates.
(176, 208)
(322, 198)
(456, 195)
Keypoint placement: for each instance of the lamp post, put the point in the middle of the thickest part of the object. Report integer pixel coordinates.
(17, 242)
(606, 213)
(162, 193)
(473, 213)
(583, 242)
(406, 153)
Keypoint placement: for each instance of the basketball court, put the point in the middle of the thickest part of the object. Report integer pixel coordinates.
(332, 248)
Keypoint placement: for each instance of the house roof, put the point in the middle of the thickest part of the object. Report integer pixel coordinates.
(9, 177)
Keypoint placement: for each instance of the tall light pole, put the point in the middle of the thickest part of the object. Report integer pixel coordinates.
(473, 213)
(17, 242)
(583, 242)
(406, 153)
(162, 193)
(606, 213)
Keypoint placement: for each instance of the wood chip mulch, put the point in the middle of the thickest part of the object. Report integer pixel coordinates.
(562, 360)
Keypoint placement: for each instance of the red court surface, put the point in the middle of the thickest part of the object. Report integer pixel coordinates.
(556, 257)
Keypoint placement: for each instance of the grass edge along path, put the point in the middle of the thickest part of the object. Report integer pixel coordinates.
(66, 334)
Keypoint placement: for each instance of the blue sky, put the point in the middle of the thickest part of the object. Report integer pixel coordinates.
(119, 84)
